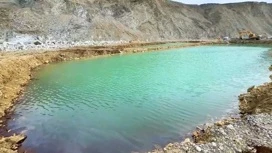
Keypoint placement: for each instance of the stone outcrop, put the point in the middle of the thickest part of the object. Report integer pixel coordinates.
(11, 144)
(256, 101)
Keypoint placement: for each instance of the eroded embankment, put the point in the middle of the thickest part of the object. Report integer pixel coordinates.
(16, 69)
(257, 100)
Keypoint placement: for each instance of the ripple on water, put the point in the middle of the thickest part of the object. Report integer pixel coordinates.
(131, 102)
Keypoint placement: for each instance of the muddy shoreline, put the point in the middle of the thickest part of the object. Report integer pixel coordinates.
(16, 71)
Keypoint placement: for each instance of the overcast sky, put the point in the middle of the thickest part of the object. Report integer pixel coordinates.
(217, 1)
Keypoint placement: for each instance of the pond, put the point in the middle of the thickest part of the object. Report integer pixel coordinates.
(131, 102)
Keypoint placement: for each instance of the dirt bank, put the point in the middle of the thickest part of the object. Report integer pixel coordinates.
(258, 100)
(251, 42)
(16, 68)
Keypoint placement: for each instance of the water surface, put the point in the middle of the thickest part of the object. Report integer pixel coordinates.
(129, 103)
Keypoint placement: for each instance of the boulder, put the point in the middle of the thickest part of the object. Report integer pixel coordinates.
(37, 43)
(187, 140)
(250, 88)
(198, 148)
(220, 123)
(196, 135)
(270, 68)
(230, 127)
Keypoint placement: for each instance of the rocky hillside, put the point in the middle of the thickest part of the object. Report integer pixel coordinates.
(131, 19)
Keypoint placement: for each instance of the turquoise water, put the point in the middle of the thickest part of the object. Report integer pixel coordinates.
(130, 102)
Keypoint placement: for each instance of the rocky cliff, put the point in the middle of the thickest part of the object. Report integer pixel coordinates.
(131, 19)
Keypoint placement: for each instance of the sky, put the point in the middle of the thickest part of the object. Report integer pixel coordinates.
(217, 1)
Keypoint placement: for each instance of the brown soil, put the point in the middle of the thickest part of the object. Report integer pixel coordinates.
(261, 149)
(16, 69)
(252, 42)
(257, 100)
